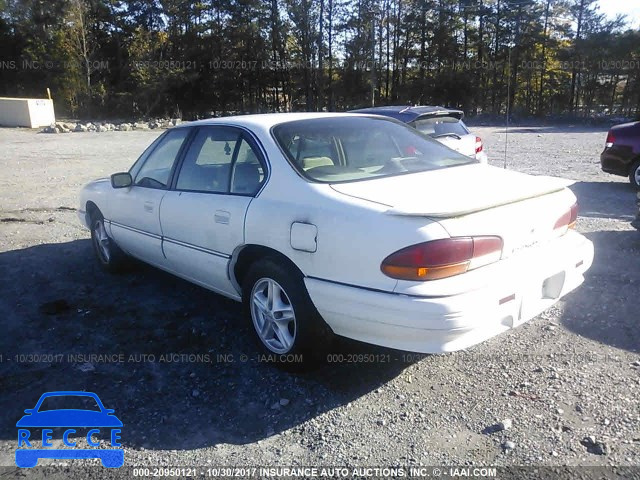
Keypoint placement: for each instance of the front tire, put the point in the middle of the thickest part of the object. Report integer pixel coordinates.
(110, 257)
(288, 327)
(634, 174)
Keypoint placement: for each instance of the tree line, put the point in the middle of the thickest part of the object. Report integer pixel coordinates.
(143, 58)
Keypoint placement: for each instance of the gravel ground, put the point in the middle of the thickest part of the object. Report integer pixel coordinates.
(528, 397)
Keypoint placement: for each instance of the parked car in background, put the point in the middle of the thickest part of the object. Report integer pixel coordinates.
(621, 155)
(442, 124)
(339, 223)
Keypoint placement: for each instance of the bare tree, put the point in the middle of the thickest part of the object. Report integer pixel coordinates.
(80, 42)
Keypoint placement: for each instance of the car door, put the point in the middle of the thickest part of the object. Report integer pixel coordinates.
(135, 211)
(203, 215)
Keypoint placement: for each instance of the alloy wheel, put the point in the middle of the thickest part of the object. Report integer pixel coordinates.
(101, 240)
(273, 316)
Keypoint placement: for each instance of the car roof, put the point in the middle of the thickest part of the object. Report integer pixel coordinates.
(69, 393)
(264, 120)
(408, 113)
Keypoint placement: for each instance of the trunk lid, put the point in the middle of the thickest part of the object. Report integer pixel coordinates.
(624, 126)
(475, 200)
(452, 192)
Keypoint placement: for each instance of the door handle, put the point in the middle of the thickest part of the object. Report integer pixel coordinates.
(222, 216)
(148, 207)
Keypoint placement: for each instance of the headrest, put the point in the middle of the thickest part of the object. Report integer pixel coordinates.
(313, 162)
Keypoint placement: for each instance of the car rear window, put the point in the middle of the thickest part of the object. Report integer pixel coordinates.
(69, 402)
(344, 149)
(440, 126)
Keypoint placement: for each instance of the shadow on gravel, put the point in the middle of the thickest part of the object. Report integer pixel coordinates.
(605, 308)
(616, 200)
(171, 360)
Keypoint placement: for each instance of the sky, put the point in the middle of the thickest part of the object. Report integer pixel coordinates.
(630, 7)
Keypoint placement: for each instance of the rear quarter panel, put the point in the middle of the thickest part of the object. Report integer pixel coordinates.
(523, 226)
(628, 135)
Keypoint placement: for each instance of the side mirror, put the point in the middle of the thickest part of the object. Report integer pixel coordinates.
(121, 180)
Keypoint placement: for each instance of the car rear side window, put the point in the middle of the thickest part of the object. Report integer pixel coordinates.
(440, 125)
(69, 402)
(247, 174)
(220, 160)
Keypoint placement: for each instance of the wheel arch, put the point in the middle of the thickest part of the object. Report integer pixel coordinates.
(246, 255)
(633, 164)
(90, 209)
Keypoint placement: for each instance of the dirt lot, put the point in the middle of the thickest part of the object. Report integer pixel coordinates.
(573, 372)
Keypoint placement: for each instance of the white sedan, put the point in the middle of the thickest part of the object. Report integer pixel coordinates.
(347, 224)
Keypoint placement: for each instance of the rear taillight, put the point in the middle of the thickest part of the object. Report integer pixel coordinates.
(442, 258)
(568, 220)
(478, 144)
(610, 140)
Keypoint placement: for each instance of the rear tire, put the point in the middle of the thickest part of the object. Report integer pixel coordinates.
(288, 328)
(634, 174)
(110, 257)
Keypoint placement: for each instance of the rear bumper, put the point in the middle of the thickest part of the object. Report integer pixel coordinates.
(616, 160)
(526, 286)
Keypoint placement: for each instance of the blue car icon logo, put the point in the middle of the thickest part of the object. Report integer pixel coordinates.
(98, 418)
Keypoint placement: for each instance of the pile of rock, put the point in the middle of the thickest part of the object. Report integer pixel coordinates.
(63, 127)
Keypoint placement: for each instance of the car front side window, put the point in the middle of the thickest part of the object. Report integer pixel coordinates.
(156, 170)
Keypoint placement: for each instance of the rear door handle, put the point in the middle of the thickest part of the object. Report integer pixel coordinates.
(148, 207)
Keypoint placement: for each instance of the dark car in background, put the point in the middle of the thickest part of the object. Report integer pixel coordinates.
(442, 124)
(621, 155)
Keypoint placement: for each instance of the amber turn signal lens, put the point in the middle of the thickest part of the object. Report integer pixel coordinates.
(423, 273)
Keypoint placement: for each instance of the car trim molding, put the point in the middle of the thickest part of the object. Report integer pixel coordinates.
(195, 247)
(132, 229)
(170, 240)
(377, 290)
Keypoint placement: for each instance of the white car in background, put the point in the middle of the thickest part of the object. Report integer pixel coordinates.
(440, 123)
(342, 224)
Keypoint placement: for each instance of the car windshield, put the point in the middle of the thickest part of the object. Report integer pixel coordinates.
(440, 126)
(69, 402)
(344, 149)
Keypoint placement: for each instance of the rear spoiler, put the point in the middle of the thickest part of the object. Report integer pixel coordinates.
(459, 114)
(538, 186)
